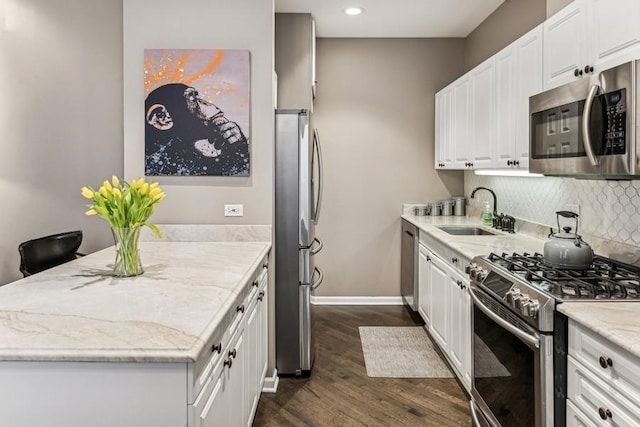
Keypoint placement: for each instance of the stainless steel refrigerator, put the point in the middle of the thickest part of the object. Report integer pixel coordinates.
(298, 191)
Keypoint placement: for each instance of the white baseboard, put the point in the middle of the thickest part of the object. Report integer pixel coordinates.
(317, 300)
(271, 383)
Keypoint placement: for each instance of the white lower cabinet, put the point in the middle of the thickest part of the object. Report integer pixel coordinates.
(460, 327)
(440, 302)
(232, 390)
(223, 400)
(603, 382)
(445, 305)
(424, 284)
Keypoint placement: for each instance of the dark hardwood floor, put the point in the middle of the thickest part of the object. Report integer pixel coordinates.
(339, 392)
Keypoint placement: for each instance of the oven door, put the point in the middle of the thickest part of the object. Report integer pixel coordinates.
(512, 367)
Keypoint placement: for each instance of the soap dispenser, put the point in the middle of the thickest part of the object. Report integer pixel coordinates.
(487, 215)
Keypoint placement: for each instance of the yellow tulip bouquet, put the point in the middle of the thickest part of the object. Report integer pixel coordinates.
(126, 207)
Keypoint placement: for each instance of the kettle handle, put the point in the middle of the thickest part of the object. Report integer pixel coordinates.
(567, 214)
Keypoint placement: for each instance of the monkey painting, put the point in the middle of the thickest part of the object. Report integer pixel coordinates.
(186, 135)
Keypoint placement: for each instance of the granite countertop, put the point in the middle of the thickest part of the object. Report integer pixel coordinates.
(614, 320)
(471, 246)
(78, 312)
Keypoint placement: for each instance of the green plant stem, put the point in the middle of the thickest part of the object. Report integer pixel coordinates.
(127, 253)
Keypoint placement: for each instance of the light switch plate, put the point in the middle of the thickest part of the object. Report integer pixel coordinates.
(233, 210)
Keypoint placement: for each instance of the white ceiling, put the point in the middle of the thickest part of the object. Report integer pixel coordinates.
(394, 18)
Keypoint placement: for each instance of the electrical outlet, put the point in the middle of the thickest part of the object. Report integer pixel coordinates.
(572, 208)
(233, 210)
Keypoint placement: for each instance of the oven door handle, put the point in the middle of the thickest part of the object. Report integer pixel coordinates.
(586, 114)
(531, 339)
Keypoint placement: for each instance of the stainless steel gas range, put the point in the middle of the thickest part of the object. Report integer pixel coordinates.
(516, 325)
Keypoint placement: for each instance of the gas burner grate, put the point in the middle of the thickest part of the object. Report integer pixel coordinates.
(606, 279)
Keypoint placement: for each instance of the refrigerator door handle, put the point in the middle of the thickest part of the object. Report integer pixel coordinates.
(318, 282)
(316, 141)
(317, 248)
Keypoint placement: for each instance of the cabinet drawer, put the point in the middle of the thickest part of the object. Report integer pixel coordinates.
(450, 256)
(575, 418)
(593, 397)
(620, 367)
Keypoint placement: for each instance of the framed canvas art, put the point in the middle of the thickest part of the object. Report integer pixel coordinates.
(197, 110)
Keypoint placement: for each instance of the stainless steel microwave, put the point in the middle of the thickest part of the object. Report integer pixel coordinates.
(588, 128)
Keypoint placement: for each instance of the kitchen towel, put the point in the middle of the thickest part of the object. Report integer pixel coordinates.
(401, 352)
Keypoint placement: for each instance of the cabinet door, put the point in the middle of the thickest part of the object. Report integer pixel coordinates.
(613, 32)
(239, 392)
(424, 285)
(505, 101)
(461, 122)
(217, 409)
(443, 140)
(565, 44)
(483, 115)
(460, 321)
(528, 77)
(252, 380)
(439, 278)
(263, 313)
(440, 140)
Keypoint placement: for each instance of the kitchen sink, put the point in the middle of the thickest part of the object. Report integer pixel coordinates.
(467, 231)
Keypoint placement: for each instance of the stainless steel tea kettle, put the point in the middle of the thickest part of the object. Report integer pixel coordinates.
(567, 250)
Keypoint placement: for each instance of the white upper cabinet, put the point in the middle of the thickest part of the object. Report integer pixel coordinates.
(482, 115)
(565, 48)
(505, 131)
(443, 131)
(518, 75)
(528, 82)
(613, 32)
(589, 36)
(461, 123)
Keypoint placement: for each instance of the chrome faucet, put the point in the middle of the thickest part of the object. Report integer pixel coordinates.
(495, 208)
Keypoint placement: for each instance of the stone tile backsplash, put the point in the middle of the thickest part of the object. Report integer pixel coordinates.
(609, 210)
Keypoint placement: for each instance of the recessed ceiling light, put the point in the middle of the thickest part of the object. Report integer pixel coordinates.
(353, 11)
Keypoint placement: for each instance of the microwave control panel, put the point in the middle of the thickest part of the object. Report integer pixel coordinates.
(615, 121)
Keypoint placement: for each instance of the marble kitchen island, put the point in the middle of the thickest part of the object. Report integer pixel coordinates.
(79, 347)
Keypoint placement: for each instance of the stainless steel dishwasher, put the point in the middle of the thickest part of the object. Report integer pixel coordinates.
(408, 265)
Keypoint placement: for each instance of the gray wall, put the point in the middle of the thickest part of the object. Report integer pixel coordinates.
(375, 114)
(506, 24)
(60, 118)
(203, 24)
(223, 24)
(555, 5)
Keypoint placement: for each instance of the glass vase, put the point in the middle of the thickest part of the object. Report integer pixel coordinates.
(127, 262)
